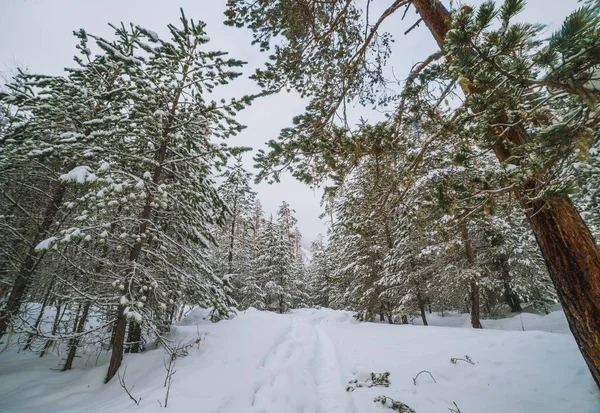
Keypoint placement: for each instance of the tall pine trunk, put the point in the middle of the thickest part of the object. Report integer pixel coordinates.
(13, 304)
(473, 286)
(571, 255)
(421, 304)
(232, 237)
(118, 338)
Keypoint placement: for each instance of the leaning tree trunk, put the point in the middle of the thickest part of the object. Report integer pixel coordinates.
(473, 286)
(118, 344)
(78, 331)
(571, 255)
(13, 304)
(57, 319)
(36, 327)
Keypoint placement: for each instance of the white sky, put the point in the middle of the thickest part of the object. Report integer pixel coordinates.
(37, 34)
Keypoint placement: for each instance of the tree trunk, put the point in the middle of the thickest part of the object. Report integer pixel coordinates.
(118, 336)
(571, 255)
(421, 303)
(13, 304)
(473, 286)
(511, 298)
(118, 343)
(475, 320)
(135, 338)
(74, 342)
(35, 331)
(232, 237)
(181, 313)
(57, 319)
(404, 319)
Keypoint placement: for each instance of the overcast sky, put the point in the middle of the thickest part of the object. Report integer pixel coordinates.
(37, 35)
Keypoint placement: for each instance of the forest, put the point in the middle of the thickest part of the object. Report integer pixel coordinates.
(123, 206)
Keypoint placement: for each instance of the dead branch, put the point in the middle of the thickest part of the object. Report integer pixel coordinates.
(128, 391)
(423, 371)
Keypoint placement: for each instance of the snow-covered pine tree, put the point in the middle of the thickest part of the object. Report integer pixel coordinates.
(233, 256)
(319, 273)
(277, 269)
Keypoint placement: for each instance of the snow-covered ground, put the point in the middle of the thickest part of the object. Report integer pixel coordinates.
(262, 362)
(555, 322)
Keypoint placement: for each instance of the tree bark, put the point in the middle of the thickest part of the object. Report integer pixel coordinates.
(74, 342)
(421, 303)
(135, 337)
(569, 250)
(232, 236)
(57, 318)
(13, 304)
(116, 356)
(473, 286)
(475, 316)
(510, 297)
(35, 331)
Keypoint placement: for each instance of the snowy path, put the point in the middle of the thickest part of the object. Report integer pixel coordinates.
(304, 359)
(261, 362)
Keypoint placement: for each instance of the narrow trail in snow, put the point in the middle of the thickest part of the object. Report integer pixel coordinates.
(304, 359)
(330, 380)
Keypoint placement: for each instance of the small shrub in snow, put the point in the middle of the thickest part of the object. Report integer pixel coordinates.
(375, 379)
(393, 404)
(466, 359)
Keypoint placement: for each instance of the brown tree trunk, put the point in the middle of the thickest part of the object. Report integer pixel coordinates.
(74, 342)
(571, 255)
(232, 237)
(421, 303)
(118, 344)
(135, 338)
(510, 297)
(475, 317)
(13, 304)
(118, 336)
(473, 286)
